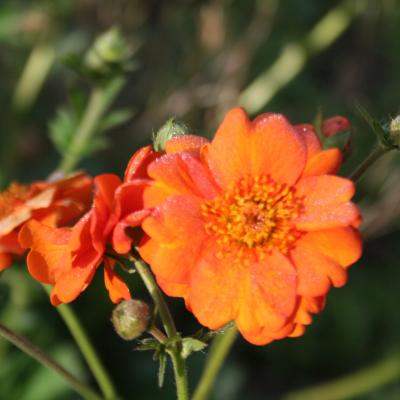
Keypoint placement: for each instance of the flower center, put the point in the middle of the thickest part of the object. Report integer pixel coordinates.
(12, 197)
(254, 214)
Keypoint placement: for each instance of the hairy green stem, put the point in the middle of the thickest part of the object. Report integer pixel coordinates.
(218, 352)
(178, 363)
(41, 357)
(375, 154)
(99, 101)
(89, 353)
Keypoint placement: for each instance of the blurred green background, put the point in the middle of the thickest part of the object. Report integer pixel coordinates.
(196, 59)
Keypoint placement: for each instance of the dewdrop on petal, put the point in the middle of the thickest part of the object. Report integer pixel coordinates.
(131, 318)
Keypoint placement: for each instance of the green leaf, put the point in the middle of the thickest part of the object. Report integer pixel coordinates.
(162, 360)
(62, 129)
(114, 119)
(381, 134)
(190, 345)
(148, 344)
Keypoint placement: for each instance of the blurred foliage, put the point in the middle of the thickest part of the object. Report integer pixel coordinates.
(193, 60)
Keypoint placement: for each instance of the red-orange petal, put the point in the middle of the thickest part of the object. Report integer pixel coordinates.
(267, 146)
(137, 165)
(321, 258)
(326, 201)
(182, 173)
(185, 143)
(267, 297)
(49, 254)
(117, 288)
(316, 272)
(176, 233)
(214, 292)
(324, 162)
(71, 283)
(311, 139)
(5, 261)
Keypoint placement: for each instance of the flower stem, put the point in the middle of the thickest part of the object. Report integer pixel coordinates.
(41, 357)
(375, 154)
(169, 326)
(89, 353)
(218, 352)
(100, 99)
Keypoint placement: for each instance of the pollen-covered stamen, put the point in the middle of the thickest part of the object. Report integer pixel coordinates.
(12, 197)
(254, 213)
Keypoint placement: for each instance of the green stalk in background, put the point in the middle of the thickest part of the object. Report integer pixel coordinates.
(33, 351)
(220, 348)
(295, 55)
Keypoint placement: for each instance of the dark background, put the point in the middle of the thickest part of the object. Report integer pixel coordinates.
(194, 59)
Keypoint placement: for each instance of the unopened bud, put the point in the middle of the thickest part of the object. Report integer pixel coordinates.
(110, 50)
(170, 129)
(131, 318)
(335, 125)
(394, 131)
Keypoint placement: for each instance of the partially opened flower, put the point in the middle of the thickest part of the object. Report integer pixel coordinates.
(251, 227)
(53, 203)
(68, 257)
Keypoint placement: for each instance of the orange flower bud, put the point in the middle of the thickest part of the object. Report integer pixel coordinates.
(335, 125)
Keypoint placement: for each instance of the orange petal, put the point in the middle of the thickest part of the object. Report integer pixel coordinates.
(310, 138)
(343, 245)
(9, 243)
(12, 221)
(267, 146)
(71, 283)
(214, 293)
(50, 254)
(116, 287)
(176, 233)
(182, 173)
(315, 272)
(326, 202)
(268, 297)
(303, 316)
(5, 261)
(121, 241)
(137, 165)
(324, 162)
(185, 143)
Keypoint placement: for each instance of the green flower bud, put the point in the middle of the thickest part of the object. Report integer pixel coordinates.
(131, 318)
(171, 128)
(394, 131)
(110, 50)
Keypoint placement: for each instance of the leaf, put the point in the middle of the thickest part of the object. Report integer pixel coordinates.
(115, 118)
(190, 345)
(62, 129)
(148, 344)
(376, 127)
(162, 360)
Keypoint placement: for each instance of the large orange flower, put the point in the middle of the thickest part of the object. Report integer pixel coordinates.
(68, 257)
(252, 227)
(53, 203)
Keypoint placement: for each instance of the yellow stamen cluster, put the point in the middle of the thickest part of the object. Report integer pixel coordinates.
(255, 216)
(12, 197)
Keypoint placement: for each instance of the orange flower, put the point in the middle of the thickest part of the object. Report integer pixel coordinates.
(68, 257)
(252, 227)
(53, 203)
